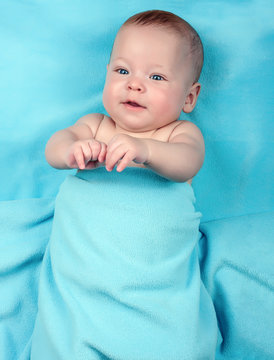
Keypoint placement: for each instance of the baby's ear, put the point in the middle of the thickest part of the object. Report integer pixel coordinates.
(192, 97)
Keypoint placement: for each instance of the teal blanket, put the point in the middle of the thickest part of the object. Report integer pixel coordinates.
(121, 277)
(236, 257)
(25, 226)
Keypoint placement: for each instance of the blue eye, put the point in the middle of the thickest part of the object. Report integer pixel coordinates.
(122, 71)
(156, 77)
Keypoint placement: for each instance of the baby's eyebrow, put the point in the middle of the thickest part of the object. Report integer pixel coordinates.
(120, 59)
(158, 65)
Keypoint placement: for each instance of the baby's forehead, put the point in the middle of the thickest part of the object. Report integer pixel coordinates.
(153, 29)
(166, 38)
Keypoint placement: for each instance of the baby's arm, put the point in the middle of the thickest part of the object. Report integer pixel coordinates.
(75, 147)
(179, 159)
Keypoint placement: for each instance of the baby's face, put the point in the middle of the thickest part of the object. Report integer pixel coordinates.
(148, 78)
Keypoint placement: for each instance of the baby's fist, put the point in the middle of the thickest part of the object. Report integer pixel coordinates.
(86, 154)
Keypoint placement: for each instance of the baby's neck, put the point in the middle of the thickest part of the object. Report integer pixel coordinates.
(144, 134)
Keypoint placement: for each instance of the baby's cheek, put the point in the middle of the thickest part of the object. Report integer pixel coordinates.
(108, 96)
(165, 105)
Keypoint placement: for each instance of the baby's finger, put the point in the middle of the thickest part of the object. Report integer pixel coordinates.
(95, 148)
(79, 157)
(71, 161)
(113, 157)
(103, 153)
(86, 152)
(125, 161)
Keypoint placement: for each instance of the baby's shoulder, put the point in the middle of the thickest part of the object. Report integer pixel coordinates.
(189, 133)
(93, 121)
(163, 133)
(176, 128)
(186, 127)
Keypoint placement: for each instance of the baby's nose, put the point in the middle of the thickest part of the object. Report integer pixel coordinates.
(135, 85)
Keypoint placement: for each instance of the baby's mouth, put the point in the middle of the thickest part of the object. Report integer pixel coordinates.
(133, 104)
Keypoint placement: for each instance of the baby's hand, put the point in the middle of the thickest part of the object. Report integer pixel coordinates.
(122, 149)
(85, 154)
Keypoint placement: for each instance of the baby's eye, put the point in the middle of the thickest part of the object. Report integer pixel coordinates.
(122, 71)
(157, 77)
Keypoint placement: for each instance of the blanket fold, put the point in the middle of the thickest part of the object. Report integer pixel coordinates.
(120, 278)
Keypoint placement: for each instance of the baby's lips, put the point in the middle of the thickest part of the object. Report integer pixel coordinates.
(133, 103)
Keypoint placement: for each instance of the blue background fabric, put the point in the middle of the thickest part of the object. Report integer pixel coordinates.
(25, 227)
(237, 269)
(53, 64)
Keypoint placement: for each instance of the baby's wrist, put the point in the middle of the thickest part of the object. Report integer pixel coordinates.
(147, 151)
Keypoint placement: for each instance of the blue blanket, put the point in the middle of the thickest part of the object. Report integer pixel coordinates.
(236, 256)
(25, 226)
(121, 277)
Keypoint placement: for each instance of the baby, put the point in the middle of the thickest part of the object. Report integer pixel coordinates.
(152, 76)
(120, 277)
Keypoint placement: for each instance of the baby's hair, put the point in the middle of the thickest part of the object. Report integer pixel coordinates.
(176, 24)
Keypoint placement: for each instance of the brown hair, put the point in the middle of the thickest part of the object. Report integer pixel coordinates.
(176, 24)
